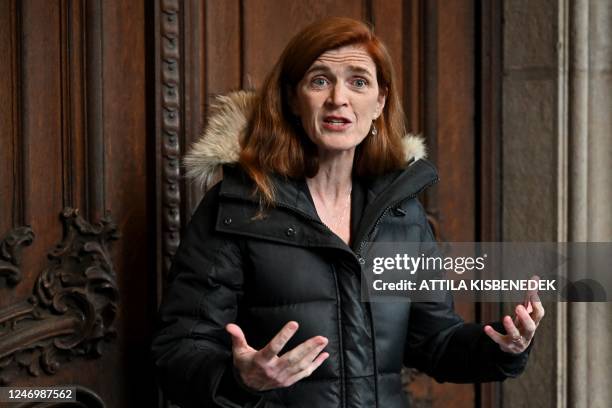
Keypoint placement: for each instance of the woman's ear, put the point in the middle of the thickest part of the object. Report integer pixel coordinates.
(382, 99)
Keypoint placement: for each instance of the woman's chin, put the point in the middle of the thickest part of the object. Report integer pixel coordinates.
(336, 151)
(338, 144)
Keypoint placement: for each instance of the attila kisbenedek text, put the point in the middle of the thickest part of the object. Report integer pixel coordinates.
(459, 265)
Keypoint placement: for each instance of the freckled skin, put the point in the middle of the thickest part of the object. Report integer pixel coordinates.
(341, 82)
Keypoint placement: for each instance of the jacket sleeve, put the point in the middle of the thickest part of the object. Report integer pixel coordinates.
(191, 350)
(442, 345)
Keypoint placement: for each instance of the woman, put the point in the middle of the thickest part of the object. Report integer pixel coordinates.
(264, 305)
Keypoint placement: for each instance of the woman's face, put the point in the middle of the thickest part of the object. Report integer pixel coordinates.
(338, 98)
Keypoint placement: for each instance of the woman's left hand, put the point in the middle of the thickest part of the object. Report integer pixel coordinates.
(523, 328)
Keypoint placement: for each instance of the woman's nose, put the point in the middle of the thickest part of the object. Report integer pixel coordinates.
(338, 95)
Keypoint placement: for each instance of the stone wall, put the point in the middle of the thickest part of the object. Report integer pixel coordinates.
(557, 180)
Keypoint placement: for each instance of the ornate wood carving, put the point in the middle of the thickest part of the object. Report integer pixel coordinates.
(170, 117)
(10, 253)
(73, 305)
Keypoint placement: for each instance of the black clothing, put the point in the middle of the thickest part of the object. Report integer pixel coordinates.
(262, 272)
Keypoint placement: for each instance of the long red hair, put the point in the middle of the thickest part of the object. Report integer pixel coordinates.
(274, 142)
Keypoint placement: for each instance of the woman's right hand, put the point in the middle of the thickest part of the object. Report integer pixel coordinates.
(263, 369)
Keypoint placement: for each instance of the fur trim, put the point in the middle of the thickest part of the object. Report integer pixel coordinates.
(220, 141)
(227, 121)
(414, 147)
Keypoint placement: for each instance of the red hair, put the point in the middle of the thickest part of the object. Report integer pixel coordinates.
(275, 144)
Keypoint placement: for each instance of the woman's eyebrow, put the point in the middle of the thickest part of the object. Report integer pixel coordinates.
(318, 68)
(359, 70)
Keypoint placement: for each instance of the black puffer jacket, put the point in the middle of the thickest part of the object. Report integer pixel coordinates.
(261, 273)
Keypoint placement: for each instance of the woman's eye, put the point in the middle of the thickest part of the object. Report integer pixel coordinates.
(319, 82)
(360, 83)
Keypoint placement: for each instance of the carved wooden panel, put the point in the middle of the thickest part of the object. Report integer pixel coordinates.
(73, 108)
(10, 187)
(170, 111)
(72, 306)
(10, 254)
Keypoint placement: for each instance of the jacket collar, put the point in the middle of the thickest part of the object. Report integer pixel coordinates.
(288, 192)
(381, 191)
(292, 206)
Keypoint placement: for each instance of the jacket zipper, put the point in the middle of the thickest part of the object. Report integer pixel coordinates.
(384, 214)
(362, 261)
(340, 341)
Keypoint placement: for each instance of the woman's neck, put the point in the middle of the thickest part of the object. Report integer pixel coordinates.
(331, 192)
(334, 178)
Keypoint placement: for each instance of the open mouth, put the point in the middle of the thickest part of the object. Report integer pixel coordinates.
(336, 122)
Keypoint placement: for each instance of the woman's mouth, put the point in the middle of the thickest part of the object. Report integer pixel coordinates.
(336, 123)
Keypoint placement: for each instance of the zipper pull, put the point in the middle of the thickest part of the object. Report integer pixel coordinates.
(399, 212)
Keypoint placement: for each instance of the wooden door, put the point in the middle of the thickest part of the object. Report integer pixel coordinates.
(76, 269)
(99, 99)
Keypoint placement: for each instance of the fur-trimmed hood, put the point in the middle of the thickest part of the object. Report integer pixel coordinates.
(227, 122)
